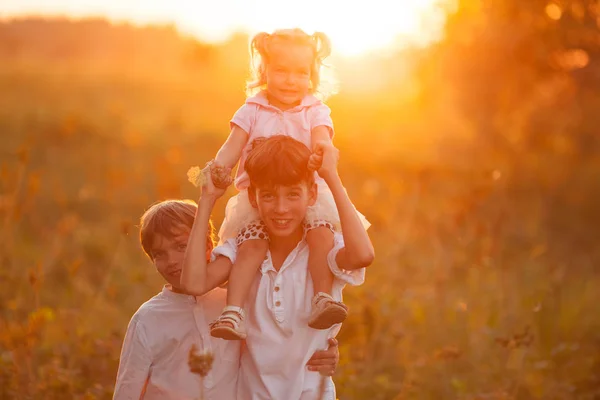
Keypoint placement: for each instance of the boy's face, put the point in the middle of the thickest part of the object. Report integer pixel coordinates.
(167, 254)
(283, 208)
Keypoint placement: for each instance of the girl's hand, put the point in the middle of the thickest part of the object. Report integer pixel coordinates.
(315, 161)
(220, 175)
(209, 190)
(325, 159)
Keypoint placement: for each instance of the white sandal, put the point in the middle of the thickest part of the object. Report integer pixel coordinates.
(230, 324)
(326, 312)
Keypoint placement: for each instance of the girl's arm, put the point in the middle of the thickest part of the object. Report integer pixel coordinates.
(358, 250)
(320, 133)
(197, 276)
(229, 154)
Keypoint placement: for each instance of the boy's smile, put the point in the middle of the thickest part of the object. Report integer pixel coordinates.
(283, 208)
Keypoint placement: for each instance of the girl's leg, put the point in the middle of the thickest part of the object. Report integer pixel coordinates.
(250, 256)
(320, 243)
(252, 248)
(326, 312)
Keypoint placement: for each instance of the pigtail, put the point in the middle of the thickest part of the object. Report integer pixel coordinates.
(258, 44)
(258, 56)
(322, 45)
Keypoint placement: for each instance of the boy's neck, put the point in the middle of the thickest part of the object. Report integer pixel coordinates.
(175, 289)
(281, 247)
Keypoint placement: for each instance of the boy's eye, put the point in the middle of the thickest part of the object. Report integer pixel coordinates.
(294, 194)
(182, 246)
(157, 255)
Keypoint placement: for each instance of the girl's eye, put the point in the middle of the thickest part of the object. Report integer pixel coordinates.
(157, 255)
(182, 246)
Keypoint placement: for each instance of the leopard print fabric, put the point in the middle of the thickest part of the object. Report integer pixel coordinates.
(258, 230)
(254, 230)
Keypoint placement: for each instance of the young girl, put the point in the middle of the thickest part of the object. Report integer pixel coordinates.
(286, 66)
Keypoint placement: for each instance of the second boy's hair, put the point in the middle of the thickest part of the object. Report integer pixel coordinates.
(278, 161)
(169, 218)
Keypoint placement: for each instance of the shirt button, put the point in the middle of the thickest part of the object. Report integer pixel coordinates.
(277, 288)
(277, 303)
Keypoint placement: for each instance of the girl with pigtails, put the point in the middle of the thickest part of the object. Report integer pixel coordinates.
(284, 99)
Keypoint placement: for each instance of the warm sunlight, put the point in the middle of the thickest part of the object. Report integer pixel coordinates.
(354, 28)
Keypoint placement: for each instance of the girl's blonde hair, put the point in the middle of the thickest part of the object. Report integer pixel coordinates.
(260, 52)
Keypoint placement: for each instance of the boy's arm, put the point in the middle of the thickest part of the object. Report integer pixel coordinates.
(134, 364)
(198, 278)
(358, 250)
(325, 361)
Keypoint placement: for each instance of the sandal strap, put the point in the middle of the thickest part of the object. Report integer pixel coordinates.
(231, 314)
(234, 309)
(322, 296)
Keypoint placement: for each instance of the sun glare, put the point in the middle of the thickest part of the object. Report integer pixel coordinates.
(355, 28)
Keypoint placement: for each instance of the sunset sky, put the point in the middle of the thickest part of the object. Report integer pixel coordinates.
(354, 27)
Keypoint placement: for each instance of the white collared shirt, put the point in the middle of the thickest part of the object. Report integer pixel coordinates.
(154, 357)
(279, 342)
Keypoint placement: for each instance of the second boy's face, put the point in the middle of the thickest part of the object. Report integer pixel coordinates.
(167, 254)
(288, 75)
(283, 208)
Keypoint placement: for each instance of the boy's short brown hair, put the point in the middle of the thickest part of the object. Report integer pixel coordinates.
(169, 218)
(278, 161)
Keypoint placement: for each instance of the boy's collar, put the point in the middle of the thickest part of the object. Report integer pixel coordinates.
(182, 297)
(267, 265)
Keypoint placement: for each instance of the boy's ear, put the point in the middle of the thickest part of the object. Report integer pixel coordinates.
(252, 196)
(313, 191)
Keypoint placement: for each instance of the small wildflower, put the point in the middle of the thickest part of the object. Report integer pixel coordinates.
(196, 176)
(200, 362)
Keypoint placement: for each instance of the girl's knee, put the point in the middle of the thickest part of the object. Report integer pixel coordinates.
(254, 246)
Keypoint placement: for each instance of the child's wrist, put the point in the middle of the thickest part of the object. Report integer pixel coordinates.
(208, 198)
(331, 177)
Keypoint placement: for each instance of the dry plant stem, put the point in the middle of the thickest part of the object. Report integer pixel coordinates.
(321, 391)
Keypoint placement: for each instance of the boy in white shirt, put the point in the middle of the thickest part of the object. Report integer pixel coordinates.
(279, 341)
(153, 363)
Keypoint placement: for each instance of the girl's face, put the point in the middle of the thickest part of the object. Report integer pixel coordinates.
(288, 74)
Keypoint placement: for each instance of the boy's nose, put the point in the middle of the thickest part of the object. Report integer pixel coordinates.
(281, 207)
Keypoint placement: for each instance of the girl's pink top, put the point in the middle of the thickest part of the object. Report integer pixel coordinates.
(258, 118)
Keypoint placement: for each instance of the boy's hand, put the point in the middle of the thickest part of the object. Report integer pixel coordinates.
(324, 159)
(325, 361)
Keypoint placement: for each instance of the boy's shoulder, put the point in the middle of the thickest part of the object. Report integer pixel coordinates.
(149, 309)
